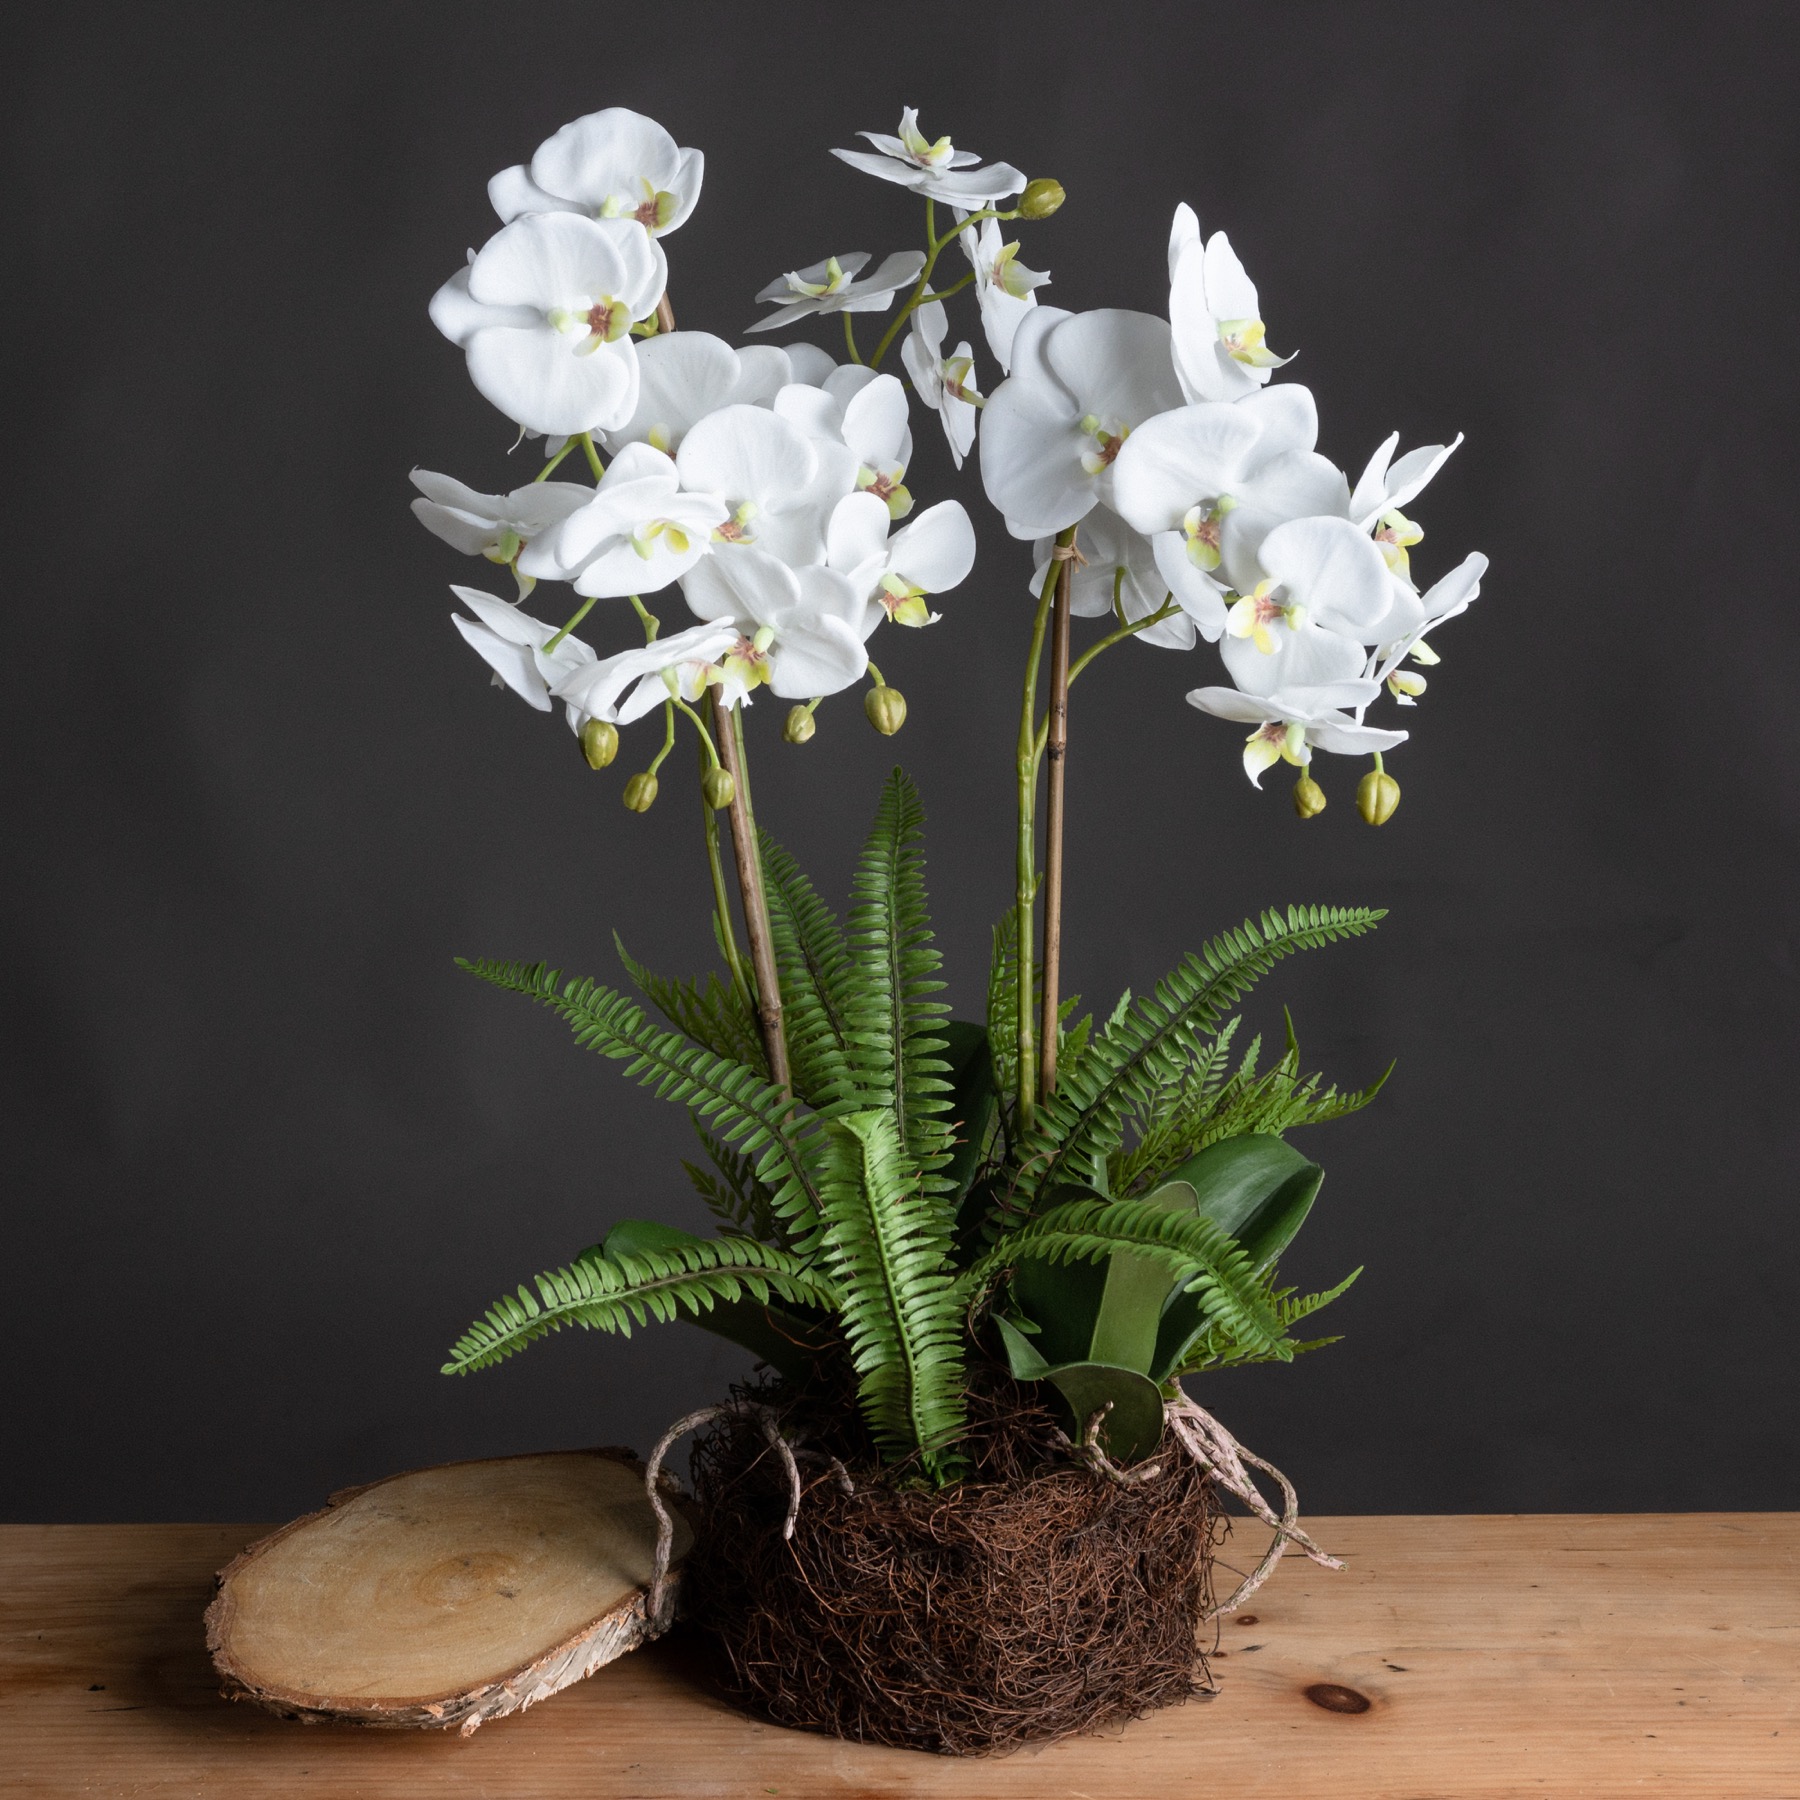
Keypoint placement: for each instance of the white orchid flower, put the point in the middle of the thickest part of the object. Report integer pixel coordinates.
(1215, 316)
(1291, 724)
(1004, 287)
(679, 666)
(809, 365)
(778, 485)
(497, 526)
(866, 414)
(1052, 431)
(638, 531)
(684, 375)
(512, 644)
(895, 576)
(1207, 483)
(945, 383)
(831, 287)
(1413, 615)
(937, 170)
(1386, 486)
(1119, 577)
(795, 630)
(1324, 593)
(614, 164)
(544, 314)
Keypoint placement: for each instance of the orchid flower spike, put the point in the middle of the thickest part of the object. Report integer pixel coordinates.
(497, 526)
(614, 164)
(1004, 287)
(795, 630)
(684, 375)
(937, 170)
(1220, 352)
(896, 576)
(679, 666)
(1291, 724)
(544, 314)
(830, 287)
(945, 383)
(1119, 578)
(514, 646)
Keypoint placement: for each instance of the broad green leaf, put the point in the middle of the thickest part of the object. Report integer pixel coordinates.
(1134, 1426)
(1061, 1298)
(971, 1099)
(1131, 1305)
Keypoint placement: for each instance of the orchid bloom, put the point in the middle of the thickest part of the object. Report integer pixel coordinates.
(638, 531)
(1118, 577)
(497, 526)
(1325, 592)
(1052, 431)
(684, 375)
(679, 666)
(1213, 312)
(544, 314)
(513, 645)
(1207, 483)
(795, 630)
(945, 383)
(866, 414)
(830, 287)
(937, 170)
(895, 576)
(1412, 615)
(1385, 486)
(1004, 287)
(778, 487)
(1293, 723)
(614, 164)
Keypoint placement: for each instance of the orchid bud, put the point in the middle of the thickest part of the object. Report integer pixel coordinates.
(599, 742)
(1377, 796)
(718, 787)
(640, 792)
(886, 707)
(1041, 198)
(1309, 797)
(800, 726)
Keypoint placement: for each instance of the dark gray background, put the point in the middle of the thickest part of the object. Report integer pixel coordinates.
(270, 1151)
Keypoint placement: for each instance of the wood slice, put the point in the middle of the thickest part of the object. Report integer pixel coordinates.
(447, 1596)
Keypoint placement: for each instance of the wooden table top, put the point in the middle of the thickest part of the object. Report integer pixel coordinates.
(1550, 1655)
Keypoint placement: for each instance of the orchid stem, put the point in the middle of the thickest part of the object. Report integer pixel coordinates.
(850, 340)
(709, 759)
(652, 624)
(1057, 727)
(1167, 610)
(751, 892)
(656, 762)
(587, 443)
(548, 469)
(933, 250)
(581, 612)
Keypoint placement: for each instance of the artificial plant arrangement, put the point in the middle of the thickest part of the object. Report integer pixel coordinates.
(969, 1503)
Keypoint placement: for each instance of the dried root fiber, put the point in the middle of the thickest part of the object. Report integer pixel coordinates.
(1033, 1600)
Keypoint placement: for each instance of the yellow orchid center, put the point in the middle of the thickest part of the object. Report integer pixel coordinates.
(1281, 740)
(956, 376)
(653, 210)
(1405, 686)
(1397, 535)
(505, 547)
(1243, 341)
(925, 153)
(1108, 442)
(659, 437)
(904, 604)
(1007, 275)
(834, 283)
(748, 658)
(887, 486)
(736, 529)
(1423, 654)
(1202, 526)
(643, 540)
(1254, 612)
(605, 321)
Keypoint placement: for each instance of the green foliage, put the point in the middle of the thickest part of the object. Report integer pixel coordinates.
(741, 1203)
(1216, 1348)
(813, 963)
(607, 1293)
(715, 1015)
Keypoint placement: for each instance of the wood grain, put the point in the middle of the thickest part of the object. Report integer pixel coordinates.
(1544, 1656)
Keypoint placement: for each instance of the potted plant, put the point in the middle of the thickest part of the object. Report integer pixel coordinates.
(968, 1502)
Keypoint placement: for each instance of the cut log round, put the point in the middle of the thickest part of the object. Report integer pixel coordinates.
(445, 1597)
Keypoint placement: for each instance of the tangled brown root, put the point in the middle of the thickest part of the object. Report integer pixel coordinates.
(1033, 1600)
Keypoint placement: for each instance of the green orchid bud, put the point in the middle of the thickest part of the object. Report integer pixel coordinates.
(640, 792)
(800, 726)
(1041, 198)
(1309, 797)
(718, 787)
(886, 708)
(1377, 796)
(599, 742)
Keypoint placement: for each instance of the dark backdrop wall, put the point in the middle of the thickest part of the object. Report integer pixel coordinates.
(270, 1151)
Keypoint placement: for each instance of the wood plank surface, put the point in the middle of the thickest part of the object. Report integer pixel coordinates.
(1546, 1655)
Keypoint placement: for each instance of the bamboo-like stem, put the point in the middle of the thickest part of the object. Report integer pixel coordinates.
(730, 727)
(1056, 744)
(1025, 890)
(721, 901)
(665, 313)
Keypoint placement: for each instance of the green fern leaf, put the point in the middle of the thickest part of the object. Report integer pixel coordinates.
(813, 962)
(715, 1016)
(740, 1202)
(614, 1293)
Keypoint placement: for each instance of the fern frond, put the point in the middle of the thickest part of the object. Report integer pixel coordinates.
(1003, 1009)
(740, 1202)
(1213, 1264)
(1151, 1045)
(1218, 1348)
(895, 1038)
(613, 1293)
(885, 1245)
(748, 1112)
(813, 961)
(715, 1016)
